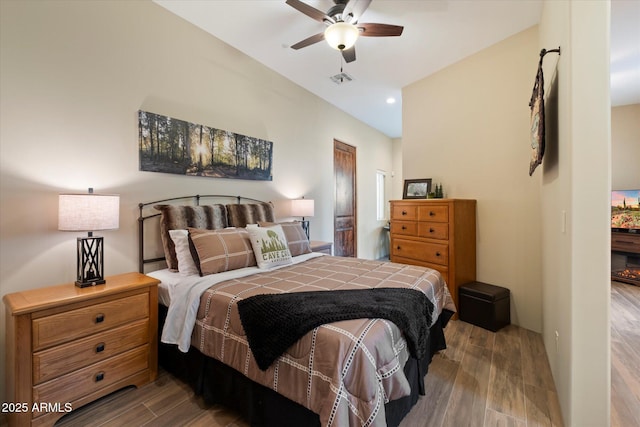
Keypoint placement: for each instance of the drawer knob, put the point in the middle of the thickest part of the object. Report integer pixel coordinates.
(438, 253)
(404, 212)
(431, 230)
(404, 228)
(99, 376)
(100, 348)
(100, 318)
(432, 213)
(398, 247)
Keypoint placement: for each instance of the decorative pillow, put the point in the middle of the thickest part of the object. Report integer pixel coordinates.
(270, 246)
(250, 213)
(221, 250)
(295, 235)
(186, 265)
(181, 218)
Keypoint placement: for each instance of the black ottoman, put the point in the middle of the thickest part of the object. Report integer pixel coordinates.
(484, 305)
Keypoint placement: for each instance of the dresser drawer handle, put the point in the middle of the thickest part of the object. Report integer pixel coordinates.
(432, 213)
(404, 212)
(404, 228)
(437, 253)
(431, 230)
(398, 247)
(100, 348)
(99, 318)
(99, 376)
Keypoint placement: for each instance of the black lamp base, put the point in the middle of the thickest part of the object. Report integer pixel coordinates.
(90, 262)
(91, 283)
(305, 227)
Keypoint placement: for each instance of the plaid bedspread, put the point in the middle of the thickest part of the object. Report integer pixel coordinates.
(344, 371)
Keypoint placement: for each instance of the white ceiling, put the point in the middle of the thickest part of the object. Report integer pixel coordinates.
(437, 33)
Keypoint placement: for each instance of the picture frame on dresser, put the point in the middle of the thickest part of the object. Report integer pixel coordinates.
(416, 188)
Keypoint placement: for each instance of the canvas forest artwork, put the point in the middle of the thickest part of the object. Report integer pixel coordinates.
(170, 145)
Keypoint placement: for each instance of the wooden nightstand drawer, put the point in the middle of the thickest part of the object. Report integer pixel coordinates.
(428, 252)
(53, 362)
(433, 213)
(75, 385)
(69, 325)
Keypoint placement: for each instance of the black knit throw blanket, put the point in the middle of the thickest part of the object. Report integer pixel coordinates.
(274, 322)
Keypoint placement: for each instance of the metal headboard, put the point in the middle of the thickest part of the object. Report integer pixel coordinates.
(195, 200)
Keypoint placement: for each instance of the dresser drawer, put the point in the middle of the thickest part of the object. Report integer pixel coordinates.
(438, 213)
(407, 228)
(434, 230)
(404, 212)
(436, 253)
(80, 383)
(59, 360)
(73, 324)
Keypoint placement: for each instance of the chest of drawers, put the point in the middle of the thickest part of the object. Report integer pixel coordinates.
(67, 346)
(436, 233)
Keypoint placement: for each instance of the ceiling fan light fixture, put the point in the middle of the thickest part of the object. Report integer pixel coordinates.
(341, 35)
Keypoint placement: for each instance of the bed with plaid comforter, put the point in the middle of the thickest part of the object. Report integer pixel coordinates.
(344, 371)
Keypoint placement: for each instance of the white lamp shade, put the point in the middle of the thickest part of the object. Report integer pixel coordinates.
(302, 207)
(341, 35)
(88, 212)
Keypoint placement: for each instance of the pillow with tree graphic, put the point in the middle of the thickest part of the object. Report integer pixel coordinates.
(269, 246)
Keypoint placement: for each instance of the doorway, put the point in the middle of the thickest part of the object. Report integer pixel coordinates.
(345, 211)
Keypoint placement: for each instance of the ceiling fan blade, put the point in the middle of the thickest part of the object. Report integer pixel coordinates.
(310, 11)
(349, 55)
(308, 41)
(379, 30)
(356, 8)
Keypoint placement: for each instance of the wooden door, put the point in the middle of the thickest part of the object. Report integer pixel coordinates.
(344, 228)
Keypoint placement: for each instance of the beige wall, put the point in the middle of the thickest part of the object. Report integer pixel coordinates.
(575, 208)
(625, 147)
(467, 128)
(73, 76)
(398, 183)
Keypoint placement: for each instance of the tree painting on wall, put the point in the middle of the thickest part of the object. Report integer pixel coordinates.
(175, 146)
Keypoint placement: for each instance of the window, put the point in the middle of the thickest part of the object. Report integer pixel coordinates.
(380, 195)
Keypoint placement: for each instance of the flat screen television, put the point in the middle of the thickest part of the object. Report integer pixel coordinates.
(625, 211)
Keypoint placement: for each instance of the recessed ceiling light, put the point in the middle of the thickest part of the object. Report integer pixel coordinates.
(391, 100)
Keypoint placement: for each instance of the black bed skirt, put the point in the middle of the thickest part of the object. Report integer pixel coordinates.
(261, 406)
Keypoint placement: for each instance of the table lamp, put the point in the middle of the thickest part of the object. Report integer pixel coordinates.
(89, 212)
(303, 208)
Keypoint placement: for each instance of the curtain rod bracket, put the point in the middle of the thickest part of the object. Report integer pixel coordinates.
(543, 52)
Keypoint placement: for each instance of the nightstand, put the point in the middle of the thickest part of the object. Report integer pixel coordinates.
(68, 346)
(324, 247)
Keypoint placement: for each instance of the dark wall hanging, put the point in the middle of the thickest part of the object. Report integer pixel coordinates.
(537, 115)
(174, 146)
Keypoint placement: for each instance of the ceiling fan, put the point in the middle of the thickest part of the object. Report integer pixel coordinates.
(343, 28)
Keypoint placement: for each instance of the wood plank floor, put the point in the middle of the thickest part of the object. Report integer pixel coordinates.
(625, 355)
(483, 379)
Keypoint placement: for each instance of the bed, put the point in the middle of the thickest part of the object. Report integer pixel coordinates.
(342, 371)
